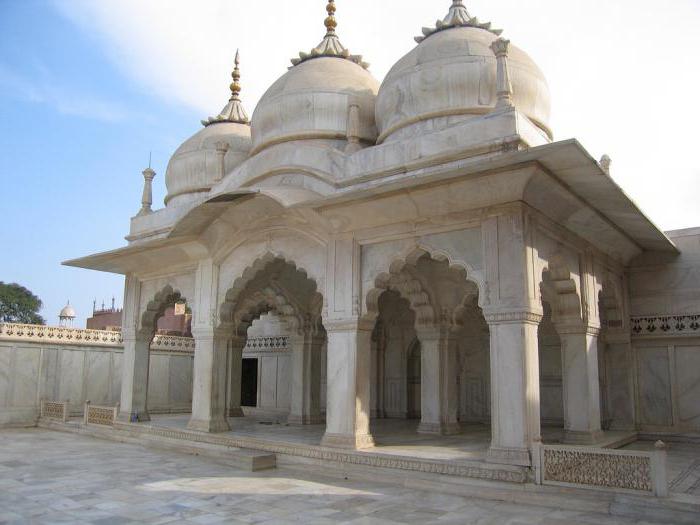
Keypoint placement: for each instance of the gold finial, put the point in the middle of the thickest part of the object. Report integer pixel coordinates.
(330, 21)
(236, 76)
(233, 111)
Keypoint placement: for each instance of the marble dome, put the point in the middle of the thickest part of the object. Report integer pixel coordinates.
(196, 165)
(312, 101)
(451, 77)
(205, 158)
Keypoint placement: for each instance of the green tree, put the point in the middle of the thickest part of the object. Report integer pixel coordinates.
(19, 305)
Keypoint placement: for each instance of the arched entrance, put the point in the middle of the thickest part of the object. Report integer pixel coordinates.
(137, 355)
(425, 309)
(274, 288)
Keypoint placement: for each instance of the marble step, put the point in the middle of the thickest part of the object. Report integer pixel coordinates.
(239, 458)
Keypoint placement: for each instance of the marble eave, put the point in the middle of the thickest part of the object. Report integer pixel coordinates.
(566, 161)
(144, 258)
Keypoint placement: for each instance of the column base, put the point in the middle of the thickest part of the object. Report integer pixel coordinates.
(351, 442)
(297, 420)
(128, 417)
(236, 412)
(210, 426)
(509, 456)
(577, 437)
(440, 429)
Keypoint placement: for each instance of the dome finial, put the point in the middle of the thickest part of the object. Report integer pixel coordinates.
(233, 111)
(330, 46)
(330, 21)
(457, 16)
(236, 76)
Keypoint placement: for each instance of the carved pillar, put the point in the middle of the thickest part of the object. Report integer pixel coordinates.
(305, 406)
(348, 410)
(515, 386)
(438, 381)
(133, 403)
(135, 365)
(235, 368)
(581, 385)
(209, 383)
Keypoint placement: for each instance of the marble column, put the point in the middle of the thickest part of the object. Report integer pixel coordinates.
(348, 404)
(619, 365)
(305, 406)
(209, 383)
(581, 386)
(235, 368)
(133, 402)
(515, 386)
(438, 381)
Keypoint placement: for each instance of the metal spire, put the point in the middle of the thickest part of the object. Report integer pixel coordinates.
(457, 16)
(330, 46)
(233, 111)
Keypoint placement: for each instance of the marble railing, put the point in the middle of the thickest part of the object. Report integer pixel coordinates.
(663, 325)
(267, 344)
(628, 470)
(80, 336)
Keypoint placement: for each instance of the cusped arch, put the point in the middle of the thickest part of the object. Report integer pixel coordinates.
(156, 307)
(242, 305)
(415, 289)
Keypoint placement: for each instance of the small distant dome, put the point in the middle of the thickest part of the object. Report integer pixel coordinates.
(66, 316)
(312, 100)
(451, 76)
(197, 164)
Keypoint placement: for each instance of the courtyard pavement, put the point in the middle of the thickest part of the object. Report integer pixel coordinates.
(54, 477)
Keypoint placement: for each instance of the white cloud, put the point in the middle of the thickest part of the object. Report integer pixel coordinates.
(622, 73)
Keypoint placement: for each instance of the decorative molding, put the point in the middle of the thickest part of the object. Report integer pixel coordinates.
(84, 337)
(100, 415)
(666, 325)
(512, 317)
(267, 344)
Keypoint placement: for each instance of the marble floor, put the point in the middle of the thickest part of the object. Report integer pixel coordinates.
(55, 477)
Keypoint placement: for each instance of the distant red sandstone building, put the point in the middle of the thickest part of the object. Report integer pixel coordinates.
(169, 324)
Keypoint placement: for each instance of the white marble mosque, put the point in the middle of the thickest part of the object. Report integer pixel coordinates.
(417, 249)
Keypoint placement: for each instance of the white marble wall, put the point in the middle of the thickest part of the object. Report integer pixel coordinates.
(668, 385)
(32, 371)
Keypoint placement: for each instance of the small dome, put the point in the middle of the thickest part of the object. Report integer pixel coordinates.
(67, 312)
(451, 76)
(312, 101)
(196, 165)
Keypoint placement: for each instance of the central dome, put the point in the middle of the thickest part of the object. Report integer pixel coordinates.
(451, 77)
(312, 101)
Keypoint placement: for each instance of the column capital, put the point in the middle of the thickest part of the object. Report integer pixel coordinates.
(498, 316)
(348, 325)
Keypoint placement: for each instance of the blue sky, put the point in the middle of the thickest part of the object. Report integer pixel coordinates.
(89, 87)
(74, 137)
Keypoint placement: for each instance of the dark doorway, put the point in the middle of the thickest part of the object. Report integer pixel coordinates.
(249, 383)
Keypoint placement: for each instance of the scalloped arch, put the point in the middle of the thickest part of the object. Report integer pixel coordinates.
(155, 309)
(241, 306)
(413, 288)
